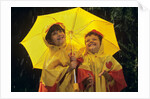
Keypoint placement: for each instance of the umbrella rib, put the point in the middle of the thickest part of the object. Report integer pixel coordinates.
(79, 30)
(75, 19)
(51, 17)
(77, 40)
(42, 30)
(31, 37)
(111, 43)
(73, 29)
(56, 21)
(40, 57)
(85, 26)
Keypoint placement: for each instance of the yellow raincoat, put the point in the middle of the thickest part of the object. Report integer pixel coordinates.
(55, 68)
(95, 64)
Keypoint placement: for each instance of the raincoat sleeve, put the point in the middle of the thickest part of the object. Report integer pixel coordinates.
(83, 72)
(43, 88)
(52, 76)
(116, 72)
(83, 69)
(82, 75)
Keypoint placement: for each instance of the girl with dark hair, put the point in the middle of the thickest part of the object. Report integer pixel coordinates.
(58, 66)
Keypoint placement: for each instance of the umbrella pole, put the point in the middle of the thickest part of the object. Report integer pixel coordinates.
(75, 85)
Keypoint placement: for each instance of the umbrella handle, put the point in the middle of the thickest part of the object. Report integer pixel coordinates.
(75, 85)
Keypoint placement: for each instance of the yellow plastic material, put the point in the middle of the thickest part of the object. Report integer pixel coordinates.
(97, 63)
(77, 22)
(55, 65)
(76, 87)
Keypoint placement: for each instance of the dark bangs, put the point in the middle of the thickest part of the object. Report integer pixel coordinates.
(55, 27)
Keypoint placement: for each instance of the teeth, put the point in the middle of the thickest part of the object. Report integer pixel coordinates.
(92, 44)
(60, 38)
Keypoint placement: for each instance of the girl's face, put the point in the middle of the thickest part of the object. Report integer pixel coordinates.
(58, 38)
(92, 43)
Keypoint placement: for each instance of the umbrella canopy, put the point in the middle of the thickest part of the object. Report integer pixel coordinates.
(78, 23)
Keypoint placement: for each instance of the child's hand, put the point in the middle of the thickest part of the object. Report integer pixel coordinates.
(73, 61)
(88, 82)
(73, 58)
(71, 55)
(73, 64)
(106, 75)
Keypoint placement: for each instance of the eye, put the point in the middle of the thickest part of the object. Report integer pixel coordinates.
(87, 40)
(94, 39)
(54, 33)
(60, 30)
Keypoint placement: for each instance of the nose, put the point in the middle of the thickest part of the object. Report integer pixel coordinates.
(59, 33)
(91, 41)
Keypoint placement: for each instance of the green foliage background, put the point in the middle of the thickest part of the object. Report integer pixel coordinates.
(125, 19)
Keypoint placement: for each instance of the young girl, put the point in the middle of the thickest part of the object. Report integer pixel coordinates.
(57, 74)
(99, 72)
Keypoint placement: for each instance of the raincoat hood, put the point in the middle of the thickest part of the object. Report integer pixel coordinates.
(46, 31)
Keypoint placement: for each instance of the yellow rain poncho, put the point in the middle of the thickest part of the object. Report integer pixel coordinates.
(95, 64)
(54, 69)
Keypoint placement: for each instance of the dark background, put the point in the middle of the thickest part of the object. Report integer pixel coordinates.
(26, 79)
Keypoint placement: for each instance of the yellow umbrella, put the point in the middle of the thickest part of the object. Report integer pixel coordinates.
(77, 23)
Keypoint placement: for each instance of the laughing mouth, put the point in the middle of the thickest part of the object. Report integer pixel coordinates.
(91, 44)
(60, 38)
